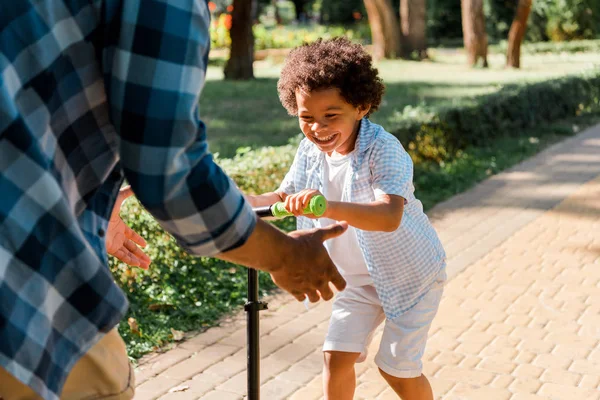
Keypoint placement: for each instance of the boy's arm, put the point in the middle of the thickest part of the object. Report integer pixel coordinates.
(384, 214)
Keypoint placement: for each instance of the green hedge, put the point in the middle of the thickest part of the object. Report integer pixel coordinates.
(574, 46)
(439, 135)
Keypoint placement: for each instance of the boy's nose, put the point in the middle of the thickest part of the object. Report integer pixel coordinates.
(318, 126)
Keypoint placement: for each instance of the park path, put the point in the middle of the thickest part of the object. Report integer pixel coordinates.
(520, 316)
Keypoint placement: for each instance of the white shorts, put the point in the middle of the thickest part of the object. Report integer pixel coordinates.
(356, 314)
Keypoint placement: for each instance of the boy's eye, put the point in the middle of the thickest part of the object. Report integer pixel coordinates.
(306, 119)
(331, 115)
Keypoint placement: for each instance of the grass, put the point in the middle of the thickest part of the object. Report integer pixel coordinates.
(240, 114)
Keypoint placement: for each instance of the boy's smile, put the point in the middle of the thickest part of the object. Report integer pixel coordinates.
(327, 120)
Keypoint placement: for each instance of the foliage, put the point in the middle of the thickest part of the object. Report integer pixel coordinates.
(240, 114)
(178, 291)
(346, 12)
(285, 37)
(499, 17)
(444, 19)
(571, 19)
(219, 32)
(260, 170)
(574, 46)
(439, 136)
(556, 20)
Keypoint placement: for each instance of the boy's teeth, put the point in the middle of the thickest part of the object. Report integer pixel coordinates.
(327, 139)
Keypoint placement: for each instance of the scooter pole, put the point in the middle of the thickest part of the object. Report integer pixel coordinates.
(253, 306)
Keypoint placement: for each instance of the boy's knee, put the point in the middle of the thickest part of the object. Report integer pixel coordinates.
(400, 382)
(339, 360)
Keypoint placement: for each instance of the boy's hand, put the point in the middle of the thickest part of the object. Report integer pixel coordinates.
(296, 203)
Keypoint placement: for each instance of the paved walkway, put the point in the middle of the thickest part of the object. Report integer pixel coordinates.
(520, 317)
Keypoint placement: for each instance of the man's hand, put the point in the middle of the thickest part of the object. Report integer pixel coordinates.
(297, 262)
(310, 269)
(121, 241)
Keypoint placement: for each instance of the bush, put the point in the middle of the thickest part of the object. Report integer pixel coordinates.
(571, 19)
(438, 136)
(556, 20)
(178, 292)
(342, 12)
(574, 46)
(285, 37)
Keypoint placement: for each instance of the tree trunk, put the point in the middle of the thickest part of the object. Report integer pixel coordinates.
(413, 22)
(516, 34)
(239, 66)
(474, 35)
(278, 20)
(384, 29)
(299, 8)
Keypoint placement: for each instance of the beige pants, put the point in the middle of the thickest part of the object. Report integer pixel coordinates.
(103, 372)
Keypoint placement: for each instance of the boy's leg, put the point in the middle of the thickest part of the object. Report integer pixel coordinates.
(403, 344)
(339, 378)
(409, 388)
(356, 313)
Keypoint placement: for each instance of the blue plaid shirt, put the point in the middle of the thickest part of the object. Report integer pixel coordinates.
(92, 92)
(403, 263)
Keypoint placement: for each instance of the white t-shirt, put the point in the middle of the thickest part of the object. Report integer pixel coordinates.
(343, 250)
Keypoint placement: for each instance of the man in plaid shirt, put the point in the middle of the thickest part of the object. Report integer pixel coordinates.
(92, 92)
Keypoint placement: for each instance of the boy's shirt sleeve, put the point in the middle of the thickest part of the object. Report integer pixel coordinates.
(288, 185)
(392, 170)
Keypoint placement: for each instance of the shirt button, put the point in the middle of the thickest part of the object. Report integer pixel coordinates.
(101, 232)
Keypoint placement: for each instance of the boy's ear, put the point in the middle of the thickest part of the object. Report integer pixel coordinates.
(362, 111)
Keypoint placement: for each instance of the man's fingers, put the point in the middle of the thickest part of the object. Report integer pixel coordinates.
(132, 235)
(125, 256)
(313, 296)
(338, 281)
(333, 230)
(143, 259)
(326, 292)
(299, 296)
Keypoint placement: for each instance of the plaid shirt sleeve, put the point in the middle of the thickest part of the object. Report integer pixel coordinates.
(155, 72)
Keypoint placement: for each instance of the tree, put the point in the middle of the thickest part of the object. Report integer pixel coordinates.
(474, 34)
(516, 33)
(384, 28)
(239, 66)
(413, 23)
(299, 8)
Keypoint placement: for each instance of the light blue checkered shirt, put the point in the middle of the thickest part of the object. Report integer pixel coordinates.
(403, 263)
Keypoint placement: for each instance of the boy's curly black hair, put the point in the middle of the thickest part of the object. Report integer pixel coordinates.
(334, 63)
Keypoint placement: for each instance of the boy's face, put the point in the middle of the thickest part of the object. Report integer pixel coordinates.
(328, 121)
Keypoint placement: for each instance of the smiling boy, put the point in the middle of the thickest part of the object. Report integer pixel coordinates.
(390, 256)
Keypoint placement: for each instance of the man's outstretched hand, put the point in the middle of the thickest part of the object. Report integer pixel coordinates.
(311, 269)
(121, 241)
(298, 262)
